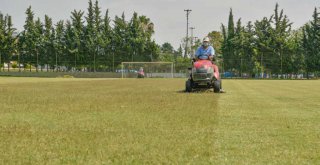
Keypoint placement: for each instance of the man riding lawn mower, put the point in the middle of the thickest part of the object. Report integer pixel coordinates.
(204, 73)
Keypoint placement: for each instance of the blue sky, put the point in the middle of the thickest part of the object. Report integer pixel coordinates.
(168, 15)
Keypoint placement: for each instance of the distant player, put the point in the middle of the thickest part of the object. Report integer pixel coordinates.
(141, 73)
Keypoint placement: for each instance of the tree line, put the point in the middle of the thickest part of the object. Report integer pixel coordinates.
(270, 46)
(92, 41)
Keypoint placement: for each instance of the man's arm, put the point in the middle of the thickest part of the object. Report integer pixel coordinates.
(212, 54)
(197, 54)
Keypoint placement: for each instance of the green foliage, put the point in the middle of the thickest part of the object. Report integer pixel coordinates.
(311, 43)
(83, 42)
(75, 39)
(167, 53)
(7, 39)
(270, 46)
(59, 42)
(29, 39)
(167, 48)
(95, 42)
(216, 40)
(227, 44)
(14, 65)
(182, 64)
(48, 42)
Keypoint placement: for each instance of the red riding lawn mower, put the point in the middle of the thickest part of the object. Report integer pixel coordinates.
(204, 74)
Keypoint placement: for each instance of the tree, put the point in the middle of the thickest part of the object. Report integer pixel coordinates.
(281, 32)
(227, 47)
(76, 39)
(239, 43)
(72, 41)
(296, 61)
(216, 40)
(98, 37)
(249, 49)
(79, 43)
(90, 38)
(136, 38)
(231, 25)
(38, 39)
(2, 38)
(120, 39)
(48, 42)
(167, 48)
(152, 50)
(59, 43)
(167, 53)
(107, 44)
(28, 40)
(7, 40)
(147, 26)
(311, 43)
(263, 40)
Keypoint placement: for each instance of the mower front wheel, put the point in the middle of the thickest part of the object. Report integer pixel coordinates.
(188, 86)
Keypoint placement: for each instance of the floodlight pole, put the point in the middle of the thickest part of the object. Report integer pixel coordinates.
(19, 61)
(122, 69)
(37, 60)
(172, 70)
(57, 62)
(192, 28)
(261, 61)
(0, 62)
(112, 58)
(187, 37)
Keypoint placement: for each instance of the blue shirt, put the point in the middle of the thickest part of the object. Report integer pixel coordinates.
(203, 53)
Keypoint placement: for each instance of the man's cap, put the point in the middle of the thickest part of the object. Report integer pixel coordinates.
(206, 39)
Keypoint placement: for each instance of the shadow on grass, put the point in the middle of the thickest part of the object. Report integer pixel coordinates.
(197, 91)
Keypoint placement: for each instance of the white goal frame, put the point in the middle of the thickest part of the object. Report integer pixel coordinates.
(172, 66)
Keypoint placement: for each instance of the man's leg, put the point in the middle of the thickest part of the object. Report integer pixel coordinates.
(216, 72)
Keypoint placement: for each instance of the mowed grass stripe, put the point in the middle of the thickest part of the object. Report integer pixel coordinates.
(270, 122)
(142, 121)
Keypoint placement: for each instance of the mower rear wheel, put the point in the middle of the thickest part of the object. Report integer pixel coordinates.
(216, 86)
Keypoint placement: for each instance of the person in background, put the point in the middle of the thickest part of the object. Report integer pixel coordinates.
(141, 73)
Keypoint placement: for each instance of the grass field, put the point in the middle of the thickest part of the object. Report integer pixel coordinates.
(152, 121)
(50, 74)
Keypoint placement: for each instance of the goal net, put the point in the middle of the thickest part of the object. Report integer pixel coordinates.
(150, 69)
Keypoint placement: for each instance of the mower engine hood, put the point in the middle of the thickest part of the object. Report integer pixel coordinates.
(203, 64)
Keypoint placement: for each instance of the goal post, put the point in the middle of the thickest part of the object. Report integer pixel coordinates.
(151, 69)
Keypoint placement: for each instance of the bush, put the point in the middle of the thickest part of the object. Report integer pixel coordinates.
(14, 65)
(28, 66)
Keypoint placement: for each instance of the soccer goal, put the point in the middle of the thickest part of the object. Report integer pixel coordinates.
(150, 69)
